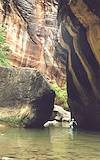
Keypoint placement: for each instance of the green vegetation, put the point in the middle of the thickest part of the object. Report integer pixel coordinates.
(4, 49)
(14, 121)
(11, 121)
(16, 117)
(61, 95)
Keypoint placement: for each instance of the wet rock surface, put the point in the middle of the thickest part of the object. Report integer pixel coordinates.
(79, 23)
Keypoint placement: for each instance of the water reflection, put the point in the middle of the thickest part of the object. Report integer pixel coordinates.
(70, 145)
(24, 144)
(49, 144)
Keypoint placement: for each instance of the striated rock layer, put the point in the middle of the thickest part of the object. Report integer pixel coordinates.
(79, 23)
(25, 97)
(31, 33)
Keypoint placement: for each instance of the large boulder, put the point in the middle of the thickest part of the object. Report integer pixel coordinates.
(25, 97)
(60, 117)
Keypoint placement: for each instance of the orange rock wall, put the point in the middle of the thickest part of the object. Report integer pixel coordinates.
(31, 33)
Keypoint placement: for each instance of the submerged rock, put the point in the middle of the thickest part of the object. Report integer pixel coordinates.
(25, 97)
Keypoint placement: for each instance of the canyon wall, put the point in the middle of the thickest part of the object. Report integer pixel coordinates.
(31, 28)
(79, 21)
(37, 42)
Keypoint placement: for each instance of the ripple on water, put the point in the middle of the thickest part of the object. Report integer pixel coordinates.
(48, 144)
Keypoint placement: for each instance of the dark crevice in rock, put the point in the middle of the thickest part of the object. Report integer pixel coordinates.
(81, 74)
(86, 49)
(6, 8)
(62, 10)
(76, 64)
(44, 107)
(26, 10)
(61, 54)
(71, 86)
(94, 6)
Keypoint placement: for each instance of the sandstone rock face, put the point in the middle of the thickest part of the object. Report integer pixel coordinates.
(25, 97)
(31, 33)
(32, 30)
(79, 23)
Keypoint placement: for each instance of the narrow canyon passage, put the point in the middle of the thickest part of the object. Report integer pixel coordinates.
(60, 39)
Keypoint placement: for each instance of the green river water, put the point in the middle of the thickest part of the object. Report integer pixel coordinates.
(48, 144)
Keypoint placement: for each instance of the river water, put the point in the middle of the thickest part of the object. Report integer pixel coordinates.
(48, 144)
